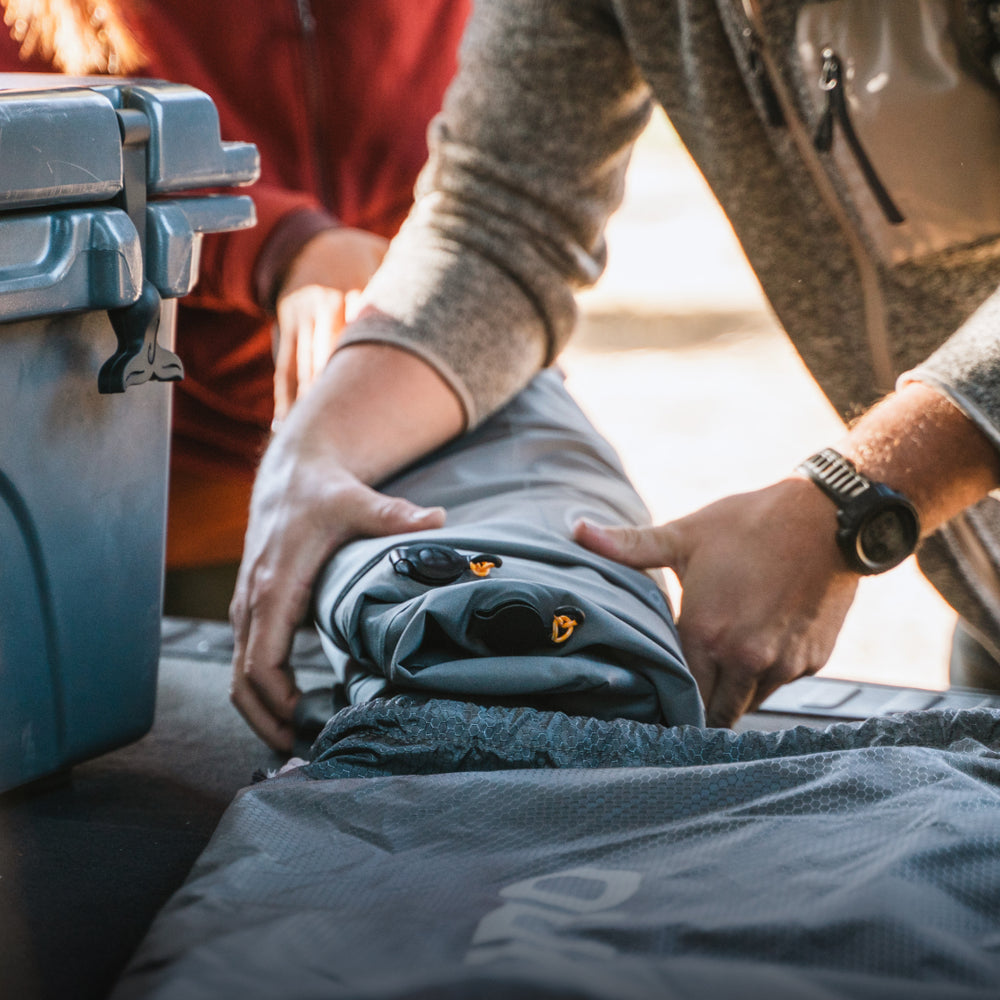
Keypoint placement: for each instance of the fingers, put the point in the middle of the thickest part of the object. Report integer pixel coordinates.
(320, 321)
(393, 515)
(764, 589)
(726, 688)
(729, 687)
(642, 548)
(738, 691)
(737, 671)
(320, 288)
(703, 670)
(310, 320)
(285, 372)
(264, 619)
(265, 697)
(732, 696)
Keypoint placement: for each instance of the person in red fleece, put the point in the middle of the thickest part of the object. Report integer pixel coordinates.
(337, 97)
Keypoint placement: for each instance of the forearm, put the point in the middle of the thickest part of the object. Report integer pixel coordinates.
(966, 369)
(920, 443)
(374, 409)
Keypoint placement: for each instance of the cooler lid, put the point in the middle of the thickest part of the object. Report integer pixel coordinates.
(59, 147)
(89, 165)
(62, 141)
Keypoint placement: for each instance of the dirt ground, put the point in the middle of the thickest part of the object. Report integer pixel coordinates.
(680, 363)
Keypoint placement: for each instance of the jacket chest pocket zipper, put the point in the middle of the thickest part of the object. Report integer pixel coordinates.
(803, 141)
(837, 113)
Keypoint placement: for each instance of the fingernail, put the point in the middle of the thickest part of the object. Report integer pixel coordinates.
(426, 514)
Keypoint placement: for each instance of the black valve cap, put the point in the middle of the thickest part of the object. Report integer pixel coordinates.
(434, 565)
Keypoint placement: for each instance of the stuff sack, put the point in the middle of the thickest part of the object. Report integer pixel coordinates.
(501, 606)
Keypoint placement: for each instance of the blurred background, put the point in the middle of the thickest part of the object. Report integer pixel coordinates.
(680, 363)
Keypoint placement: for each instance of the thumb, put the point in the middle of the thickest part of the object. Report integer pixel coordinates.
(642, 548)
(385, 515)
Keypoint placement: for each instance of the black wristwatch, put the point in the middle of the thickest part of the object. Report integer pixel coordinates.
(878, 526)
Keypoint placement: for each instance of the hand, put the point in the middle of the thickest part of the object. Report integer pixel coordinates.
(310, 498)
(317, 298)
(764, 588)
(304, 508)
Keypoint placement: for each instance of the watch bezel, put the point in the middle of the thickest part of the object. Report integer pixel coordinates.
(859, 499)
(856, 516)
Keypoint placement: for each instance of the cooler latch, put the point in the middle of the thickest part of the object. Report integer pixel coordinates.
(139, 357)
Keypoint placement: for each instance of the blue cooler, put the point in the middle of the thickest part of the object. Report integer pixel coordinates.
(96, 243)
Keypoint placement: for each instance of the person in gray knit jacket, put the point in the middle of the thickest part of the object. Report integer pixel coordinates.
(825, 131)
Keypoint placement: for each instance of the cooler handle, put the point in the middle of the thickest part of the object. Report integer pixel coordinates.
(64, 261)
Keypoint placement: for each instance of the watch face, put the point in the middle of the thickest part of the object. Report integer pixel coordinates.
(886, 538)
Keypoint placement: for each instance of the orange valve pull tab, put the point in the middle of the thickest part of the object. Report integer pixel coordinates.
(562, 627)
(482, 564)
(564, 622)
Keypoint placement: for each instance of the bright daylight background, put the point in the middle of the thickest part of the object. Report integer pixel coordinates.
(682, 366)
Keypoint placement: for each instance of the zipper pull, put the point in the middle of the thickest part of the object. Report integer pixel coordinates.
(831, 81)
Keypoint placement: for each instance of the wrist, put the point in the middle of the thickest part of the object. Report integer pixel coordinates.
(919, 443)
(340, 259)
(283, 245)
(903, 469)
(811, 519)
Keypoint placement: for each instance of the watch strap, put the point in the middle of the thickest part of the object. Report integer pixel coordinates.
(836, 476)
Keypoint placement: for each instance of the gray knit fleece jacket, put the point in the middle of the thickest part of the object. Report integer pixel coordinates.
(528, 159)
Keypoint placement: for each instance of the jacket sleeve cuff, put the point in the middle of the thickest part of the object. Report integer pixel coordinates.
(286, 239)
(467, 318)
(966, 369)
(962, 400)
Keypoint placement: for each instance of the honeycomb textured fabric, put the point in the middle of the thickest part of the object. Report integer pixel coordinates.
(592, 859)
(407, 735)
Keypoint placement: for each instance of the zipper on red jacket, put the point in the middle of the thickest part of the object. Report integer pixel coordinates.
(315, 99)
(835, 113)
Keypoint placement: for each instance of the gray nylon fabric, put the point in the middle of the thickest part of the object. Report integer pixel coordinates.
(513, 488)
(605, 860)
